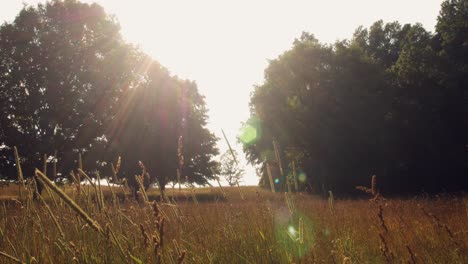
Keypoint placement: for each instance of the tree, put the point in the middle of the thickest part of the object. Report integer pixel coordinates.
(230, 168)
(68, 82)
(317, 106)
(451, 44)
(452, 29)
(162, 123)
(63, 68)
(391, 101)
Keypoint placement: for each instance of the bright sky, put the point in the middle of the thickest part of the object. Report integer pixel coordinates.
(225, 45)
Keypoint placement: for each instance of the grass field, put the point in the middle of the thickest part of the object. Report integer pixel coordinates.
(229, 225)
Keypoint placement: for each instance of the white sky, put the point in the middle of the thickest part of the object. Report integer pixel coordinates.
(225, 45)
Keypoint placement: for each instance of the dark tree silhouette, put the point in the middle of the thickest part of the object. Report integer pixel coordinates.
(392, 101)
(162, 122)
(63, 66)
(69, 83)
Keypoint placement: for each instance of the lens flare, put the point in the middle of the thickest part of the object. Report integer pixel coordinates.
(302, 177)
(277, 180)
(250, 133)
(294, 232)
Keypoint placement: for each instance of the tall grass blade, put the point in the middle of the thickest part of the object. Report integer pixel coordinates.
(57, 224)
(11, 257)
(219, 183)
(54, 175)
(80, 162)
(270, 176)
(139, 180)
(280, 164)
(44, 170)
(100, 194)
(20, 173)
(230, 148)
(93, 224)
(296, 185)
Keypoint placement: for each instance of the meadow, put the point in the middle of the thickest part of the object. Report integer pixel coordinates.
(101, 224)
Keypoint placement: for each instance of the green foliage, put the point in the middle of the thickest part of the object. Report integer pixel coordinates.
(162, 122)
(391, 101)
(70, 84)
(452, 30)
(64, 65)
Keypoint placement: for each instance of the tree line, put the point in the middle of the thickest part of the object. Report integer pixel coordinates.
(392, 101)
(70, 85)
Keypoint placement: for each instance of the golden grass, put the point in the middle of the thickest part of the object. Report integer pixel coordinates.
(265, 227)
(73, 205)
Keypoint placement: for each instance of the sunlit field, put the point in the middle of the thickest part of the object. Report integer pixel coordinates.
(228, 225)
(254, 132)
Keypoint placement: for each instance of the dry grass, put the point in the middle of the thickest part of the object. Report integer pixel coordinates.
(261, 228)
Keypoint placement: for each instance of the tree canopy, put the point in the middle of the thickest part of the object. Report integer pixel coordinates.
(69, 83)
(162, 122)
(391, 101)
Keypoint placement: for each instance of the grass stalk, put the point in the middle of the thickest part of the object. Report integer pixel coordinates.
(296, 185)
(57, 224)
(240, 191)
(139, 180)
(11, 257)
(219, 183)
(280, 164)
(100, 196)
(229, 146)
(270, 176)
(20, 173)
(54, 174)
(93, 224)
(44, 170)
(80, 162)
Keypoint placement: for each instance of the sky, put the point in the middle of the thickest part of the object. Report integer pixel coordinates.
(225, 45)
